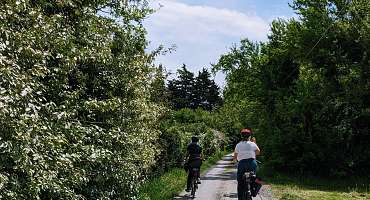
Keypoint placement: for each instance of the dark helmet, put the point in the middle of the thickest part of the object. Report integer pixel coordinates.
(194, 139)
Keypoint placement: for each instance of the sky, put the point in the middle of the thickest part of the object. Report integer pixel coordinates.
(203, 30)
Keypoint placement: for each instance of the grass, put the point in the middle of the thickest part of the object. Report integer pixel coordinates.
(165, 186)
(172, 182)
(291, 187)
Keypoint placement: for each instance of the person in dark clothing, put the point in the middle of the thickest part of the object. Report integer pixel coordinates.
(194, 159)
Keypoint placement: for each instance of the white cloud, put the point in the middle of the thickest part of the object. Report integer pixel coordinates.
(187, 21)
(201, 33)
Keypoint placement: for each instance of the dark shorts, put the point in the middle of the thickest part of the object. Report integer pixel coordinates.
(196, 163)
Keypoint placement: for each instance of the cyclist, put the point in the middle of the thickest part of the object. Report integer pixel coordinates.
(245, 153)
(194, 159)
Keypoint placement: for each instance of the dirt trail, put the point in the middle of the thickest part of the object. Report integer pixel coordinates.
(219, 183)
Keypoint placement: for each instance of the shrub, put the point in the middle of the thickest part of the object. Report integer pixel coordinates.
(74, 100)
(177, 130)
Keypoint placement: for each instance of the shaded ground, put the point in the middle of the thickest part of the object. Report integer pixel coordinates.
(219, 183)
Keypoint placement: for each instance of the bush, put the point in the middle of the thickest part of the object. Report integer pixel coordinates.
(177, 130)
(74, 100)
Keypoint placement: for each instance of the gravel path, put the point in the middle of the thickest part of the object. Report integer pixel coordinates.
(219, 183)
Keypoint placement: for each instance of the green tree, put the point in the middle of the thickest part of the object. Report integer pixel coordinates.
(304, 90)
(159, 90)
(206, 92)
(75, 100)
(189, 92)
(181, 90)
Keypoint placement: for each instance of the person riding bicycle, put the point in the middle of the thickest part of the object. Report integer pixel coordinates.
(194, 159)
(245, 153)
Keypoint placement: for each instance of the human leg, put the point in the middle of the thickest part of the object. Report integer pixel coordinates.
(188, 182)
(252, 165)
(196, 163)
(242, 167)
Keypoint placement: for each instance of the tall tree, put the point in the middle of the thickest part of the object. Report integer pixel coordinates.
(206, 92)
(189, 92)
(159, 92)
(181, 90)
(309, 96)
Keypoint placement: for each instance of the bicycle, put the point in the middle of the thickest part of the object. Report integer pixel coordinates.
(247, 179)
(194, 181)
(252, 184)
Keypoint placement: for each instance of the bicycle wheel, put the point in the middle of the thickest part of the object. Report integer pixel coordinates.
(193, 187)
(248, 195)
(244, 195)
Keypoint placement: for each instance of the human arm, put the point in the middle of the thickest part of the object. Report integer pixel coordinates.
(236, 151)
(257, 149)
(235, 156)
(201, 154)
(187, 155)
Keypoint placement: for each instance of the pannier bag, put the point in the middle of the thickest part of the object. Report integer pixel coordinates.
(256, 185)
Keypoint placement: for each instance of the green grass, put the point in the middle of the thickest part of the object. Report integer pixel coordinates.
(291, 187)
(172, 182)
(165, 186)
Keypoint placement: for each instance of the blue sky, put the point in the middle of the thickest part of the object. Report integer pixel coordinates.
(202, 30)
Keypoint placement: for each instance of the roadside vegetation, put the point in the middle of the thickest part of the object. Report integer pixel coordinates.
(171, 183)
(306, 94)
(85, 113)
(307, 187)
(306, 90)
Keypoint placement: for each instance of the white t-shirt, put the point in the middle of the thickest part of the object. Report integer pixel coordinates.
(245, 150)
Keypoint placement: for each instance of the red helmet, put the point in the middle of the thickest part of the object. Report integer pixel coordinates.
(246, 132)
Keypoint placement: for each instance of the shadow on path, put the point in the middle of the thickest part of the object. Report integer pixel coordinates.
(217, 183)
(225, 176)
(183, 197)
(227, 158)
(232, 195)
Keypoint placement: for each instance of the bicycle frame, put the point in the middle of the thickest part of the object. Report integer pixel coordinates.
(247, 178)
(194, 181)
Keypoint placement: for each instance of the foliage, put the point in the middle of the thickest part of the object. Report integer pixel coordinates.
(75, 99)
(293, 186)
(189, 92)
(158, 87)
(181, 90)
(164, 187)
(206, 92)
(307, 101)
(176, 131)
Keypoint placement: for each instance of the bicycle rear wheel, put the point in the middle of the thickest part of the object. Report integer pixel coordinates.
(248, 195)
(193, 187)
(245, 192)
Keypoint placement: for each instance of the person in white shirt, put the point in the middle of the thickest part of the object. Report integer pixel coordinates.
(245, 153)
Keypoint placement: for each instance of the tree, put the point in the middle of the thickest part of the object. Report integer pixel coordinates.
(308, 96)
(182, 89)
(189, 92)
(159, 93)
(75, 108)
(206, 92)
